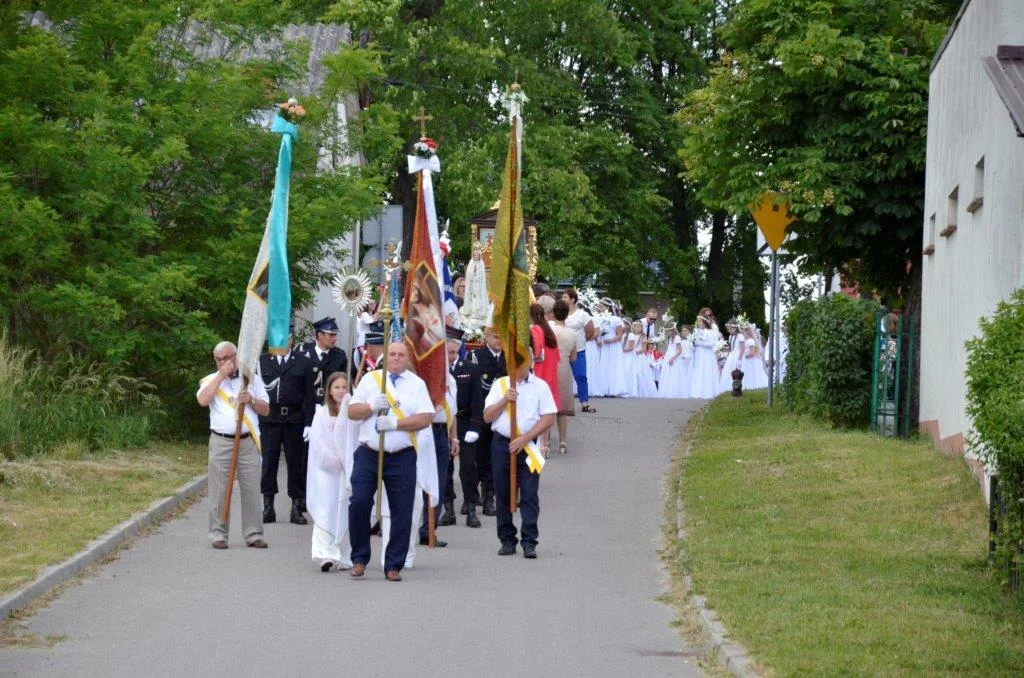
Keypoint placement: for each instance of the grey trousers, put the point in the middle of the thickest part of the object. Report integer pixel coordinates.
(248, 476)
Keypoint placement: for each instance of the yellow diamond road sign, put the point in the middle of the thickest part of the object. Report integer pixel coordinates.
(772, 218)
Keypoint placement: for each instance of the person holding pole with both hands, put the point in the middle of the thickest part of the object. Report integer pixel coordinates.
(398, 413)
(534, 408)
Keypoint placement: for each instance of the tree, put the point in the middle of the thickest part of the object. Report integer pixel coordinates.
(135, 181)
(825, 103)
(603, 79)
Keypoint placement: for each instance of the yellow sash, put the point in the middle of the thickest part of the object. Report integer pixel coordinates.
(392, 403)
(253, 431)
(534, 459)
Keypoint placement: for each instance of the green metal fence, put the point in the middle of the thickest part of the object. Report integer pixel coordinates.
(892, 380)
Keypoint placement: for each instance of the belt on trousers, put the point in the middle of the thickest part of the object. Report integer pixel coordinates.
(283, 410)
(373, 451)
(229, 435)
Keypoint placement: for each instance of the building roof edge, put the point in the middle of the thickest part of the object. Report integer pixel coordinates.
(949, 34)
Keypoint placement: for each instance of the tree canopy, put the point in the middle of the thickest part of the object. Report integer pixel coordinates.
(825, 103)
(135, 180)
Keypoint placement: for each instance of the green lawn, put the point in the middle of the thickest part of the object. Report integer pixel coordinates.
(828, 552)
(50, 508)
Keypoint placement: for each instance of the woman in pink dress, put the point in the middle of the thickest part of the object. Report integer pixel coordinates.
(545, 358)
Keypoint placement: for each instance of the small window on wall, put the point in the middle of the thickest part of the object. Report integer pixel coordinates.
(929, 243)
(979, 187)
(951, 213)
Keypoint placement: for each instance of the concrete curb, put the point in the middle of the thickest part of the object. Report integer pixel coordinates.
(99, 547)
(730, 654)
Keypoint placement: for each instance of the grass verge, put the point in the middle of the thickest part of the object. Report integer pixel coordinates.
(51, 508)
(834, 552)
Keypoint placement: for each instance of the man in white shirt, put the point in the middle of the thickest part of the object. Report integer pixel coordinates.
(535, 413)
(220, 392)
(580, 322)
(408, 410)
(649, 323)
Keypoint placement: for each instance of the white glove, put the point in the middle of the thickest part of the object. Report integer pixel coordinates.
(379, 402)
(385, 423)
(472, 436)
(305, 435)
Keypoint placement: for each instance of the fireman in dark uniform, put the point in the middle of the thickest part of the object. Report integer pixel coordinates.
(491, 361)
(289, 383)
(469, 417)
(324, 357)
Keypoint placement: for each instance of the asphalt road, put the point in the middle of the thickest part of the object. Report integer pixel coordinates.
(172, 606)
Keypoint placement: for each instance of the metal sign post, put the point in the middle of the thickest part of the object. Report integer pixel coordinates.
(772, 216)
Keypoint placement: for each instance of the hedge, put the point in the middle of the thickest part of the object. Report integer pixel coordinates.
(828, 370)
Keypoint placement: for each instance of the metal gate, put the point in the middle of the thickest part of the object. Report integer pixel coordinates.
(892, 380)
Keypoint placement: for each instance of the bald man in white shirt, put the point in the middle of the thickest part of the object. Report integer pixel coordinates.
(376, 414)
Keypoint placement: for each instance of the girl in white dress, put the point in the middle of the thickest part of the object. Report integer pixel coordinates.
(647, 368)
(612, 357)
(735, 356)
(629, 362)
(332, 442)
(705, 365)
(687, 378)
(673, 367)
(754, 373)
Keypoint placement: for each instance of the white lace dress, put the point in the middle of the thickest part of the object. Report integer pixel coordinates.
(674, 382)
(735, 356)
(646, 368)
(630, 364)
(752, 364)
(613, 361)
(705, 365)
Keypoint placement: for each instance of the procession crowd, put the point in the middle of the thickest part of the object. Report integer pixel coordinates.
(337, 439)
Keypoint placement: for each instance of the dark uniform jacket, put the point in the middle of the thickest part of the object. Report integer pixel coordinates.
(334, 361)
(491, 368)
(469, 397)
(290, 387)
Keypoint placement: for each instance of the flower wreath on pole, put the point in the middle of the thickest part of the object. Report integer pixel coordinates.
(425, 148)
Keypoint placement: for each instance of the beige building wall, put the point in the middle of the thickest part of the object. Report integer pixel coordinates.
(972, 255)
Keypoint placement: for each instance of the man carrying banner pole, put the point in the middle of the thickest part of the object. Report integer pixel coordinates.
(266, 315)
(422, 309)
(520, 406)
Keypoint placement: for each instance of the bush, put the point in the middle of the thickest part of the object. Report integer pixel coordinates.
(828, 371)
(995, 384)
(67, 404)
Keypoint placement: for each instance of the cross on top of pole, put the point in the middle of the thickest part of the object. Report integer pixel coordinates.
(423, 119)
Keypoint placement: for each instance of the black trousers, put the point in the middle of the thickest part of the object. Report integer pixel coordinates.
(468, 476)
(529, 499)
(273, 437)
(483, 459)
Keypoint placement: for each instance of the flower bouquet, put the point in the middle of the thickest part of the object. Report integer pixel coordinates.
(292, 111)
(722, 351)
(425, 148)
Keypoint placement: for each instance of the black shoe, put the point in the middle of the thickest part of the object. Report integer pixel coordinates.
(448, 517)
(529, 551)
(297, 518)
(471, 519)
(463, 509)
(375, 530)
(326, 567)
(425, 541)
(268, 509)
(488, 509)
(507, 550)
